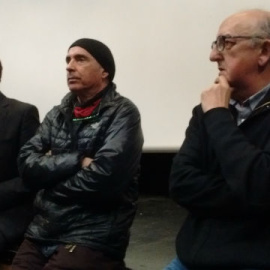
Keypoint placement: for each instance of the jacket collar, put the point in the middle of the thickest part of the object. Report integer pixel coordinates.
(4, 111)
(3, 99)
(264, 101)
(264, 105)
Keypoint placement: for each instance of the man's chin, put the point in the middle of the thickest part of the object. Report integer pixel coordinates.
(74, 89)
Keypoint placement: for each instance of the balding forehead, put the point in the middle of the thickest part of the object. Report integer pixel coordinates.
(252, 13)
(246, 22)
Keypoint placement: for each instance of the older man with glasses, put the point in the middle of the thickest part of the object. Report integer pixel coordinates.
(221, 173)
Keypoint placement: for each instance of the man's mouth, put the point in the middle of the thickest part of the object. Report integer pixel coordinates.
(73, 79)
(221, 70)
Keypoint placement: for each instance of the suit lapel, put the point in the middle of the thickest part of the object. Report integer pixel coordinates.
(4, 108)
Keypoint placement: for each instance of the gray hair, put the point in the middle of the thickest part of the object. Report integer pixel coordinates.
(262, 29)
(264, 25)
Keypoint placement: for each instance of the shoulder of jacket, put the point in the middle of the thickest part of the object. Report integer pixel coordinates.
(19, 105)
(125, 104)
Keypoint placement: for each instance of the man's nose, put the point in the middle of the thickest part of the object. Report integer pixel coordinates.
(215, 55)
(70, 65)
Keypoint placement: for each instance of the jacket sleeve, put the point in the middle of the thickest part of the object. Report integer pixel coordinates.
(39, 169)
(30, 123)
(114, 164)
(13, 191)
(237, 180)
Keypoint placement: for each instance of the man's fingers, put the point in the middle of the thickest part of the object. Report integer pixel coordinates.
(223, 81)
(216, 80)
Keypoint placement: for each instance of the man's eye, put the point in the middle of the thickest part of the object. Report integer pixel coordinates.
(229, 42)
(81, 59)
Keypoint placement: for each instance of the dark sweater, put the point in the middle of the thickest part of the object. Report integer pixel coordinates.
(222, 176)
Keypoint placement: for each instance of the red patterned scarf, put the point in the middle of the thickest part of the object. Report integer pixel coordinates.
(80, 112)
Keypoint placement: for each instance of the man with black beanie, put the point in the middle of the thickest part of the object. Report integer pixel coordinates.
(84, 163)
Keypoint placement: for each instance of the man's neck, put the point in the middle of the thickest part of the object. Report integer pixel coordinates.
(86, 95)
(242, 92)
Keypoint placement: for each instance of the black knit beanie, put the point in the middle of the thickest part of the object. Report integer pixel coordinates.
(100, 52)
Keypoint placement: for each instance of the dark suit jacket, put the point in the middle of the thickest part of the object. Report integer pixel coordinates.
(18, 123)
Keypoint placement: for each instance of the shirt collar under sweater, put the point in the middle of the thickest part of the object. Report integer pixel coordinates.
(244, 110)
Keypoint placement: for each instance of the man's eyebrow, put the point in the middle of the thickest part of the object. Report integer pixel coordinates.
(67, 58)
(76, 56)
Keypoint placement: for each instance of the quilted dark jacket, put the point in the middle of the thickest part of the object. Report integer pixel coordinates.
(94, 206)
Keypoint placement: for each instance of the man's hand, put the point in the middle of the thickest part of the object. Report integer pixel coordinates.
(218, 95)
(49, 153)
(86, 161)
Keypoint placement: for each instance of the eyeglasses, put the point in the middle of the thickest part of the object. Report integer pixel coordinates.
(223, 42)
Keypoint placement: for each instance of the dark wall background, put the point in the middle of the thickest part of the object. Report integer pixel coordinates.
(155, 171)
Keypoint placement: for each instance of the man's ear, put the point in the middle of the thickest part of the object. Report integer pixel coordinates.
(264, 57)
(105, 74)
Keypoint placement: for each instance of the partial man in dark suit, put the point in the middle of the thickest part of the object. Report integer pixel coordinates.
(18, 123)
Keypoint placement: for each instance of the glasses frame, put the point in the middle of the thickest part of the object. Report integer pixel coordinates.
(220, 43)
